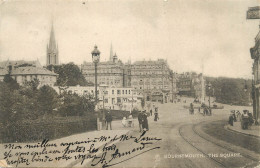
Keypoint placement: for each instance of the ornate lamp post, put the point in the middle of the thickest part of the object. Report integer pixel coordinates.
(95, 58)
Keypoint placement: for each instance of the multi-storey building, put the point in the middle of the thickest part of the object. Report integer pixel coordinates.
(191, 84)
(25, 71)
(112, 73)
(116, 98)
(152, 79)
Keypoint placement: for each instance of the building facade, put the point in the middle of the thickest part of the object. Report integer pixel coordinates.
(256, 81)
(112, 73)
(116, 98)
(26, 71)
(192, 84)
(150, 79)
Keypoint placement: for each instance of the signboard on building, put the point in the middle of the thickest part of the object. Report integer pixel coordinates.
(253, 13)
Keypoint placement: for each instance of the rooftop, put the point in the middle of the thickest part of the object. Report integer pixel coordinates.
(32, 71)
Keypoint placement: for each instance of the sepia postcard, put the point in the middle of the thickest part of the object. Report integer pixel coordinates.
(133, 83)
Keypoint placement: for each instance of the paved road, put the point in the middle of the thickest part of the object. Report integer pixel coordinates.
(176, 140)
(180, 146)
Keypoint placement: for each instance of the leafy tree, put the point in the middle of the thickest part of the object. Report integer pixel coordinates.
(75, 105)
(69, 75)
(6, 103)
(11, 82)
(47, 99)
(229, 90)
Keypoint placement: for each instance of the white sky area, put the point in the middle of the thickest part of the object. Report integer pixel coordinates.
(209, 36)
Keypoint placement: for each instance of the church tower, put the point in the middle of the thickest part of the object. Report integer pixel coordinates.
(52, 50)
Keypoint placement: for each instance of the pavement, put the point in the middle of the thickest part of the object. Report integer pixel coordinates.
(253, 130)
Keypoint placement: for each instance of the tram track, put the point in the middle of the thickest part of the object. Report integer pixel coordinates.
(192, 142)
(223, 146)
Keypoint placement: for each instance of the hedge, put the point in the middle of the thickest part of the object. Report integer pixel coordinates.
(46, 129)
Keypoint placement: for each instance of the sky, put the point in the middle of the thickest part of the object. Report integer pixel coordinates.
(208, 36)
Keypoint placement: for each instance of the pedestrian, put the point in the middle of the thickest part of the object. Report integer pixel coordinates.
(191, 109)
(109, 120)
(151, 112)
(235, 117)
(238, 115)
(156, 114)
(244, 119)
(251, 119)
(231, 119)
(205, 111)
(140, 120)
(145, 121)
(124, 121)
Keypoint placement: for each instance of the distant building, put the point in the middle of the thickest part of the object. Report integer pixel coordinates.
(52, 50)
(25, 71)
(191, 84)
(255, 55)
(116, 98)
(112, 73)
(152, 79)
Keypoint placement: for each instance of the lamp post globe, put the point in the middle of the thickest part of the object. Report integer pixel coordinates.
(95, 54)
(209, 86)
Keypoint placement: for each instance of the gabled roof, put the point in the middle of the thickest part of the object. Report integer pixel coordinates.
(32, 71)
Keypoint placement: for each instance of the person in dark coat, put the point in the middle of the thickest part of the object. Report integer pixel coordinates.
(109, 120)
(145, 121)
(140, 120)
(231, 119)
(205, 111)
(156, 114)
(151, 112)
(191, 109)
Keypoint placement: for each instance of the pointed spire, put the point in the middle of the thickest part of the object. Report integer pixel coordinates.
(52, 48)
(111, 53)
(52, 42)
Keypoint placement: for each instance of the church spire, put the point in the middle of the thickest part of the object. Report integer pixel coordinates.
(52, 49)
(52, 42)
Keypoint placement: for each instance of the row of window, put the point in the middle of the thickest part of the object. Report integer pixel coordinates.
(154, 87)
(123, 92)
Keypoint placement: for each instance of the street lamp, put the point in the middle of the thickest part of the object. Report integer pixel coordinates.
(95, 58)
(209, 86)
(246, 89)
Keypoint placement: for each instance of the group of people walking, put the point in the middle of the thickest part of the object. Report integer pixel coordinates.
(246, 118)
(143, 121)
